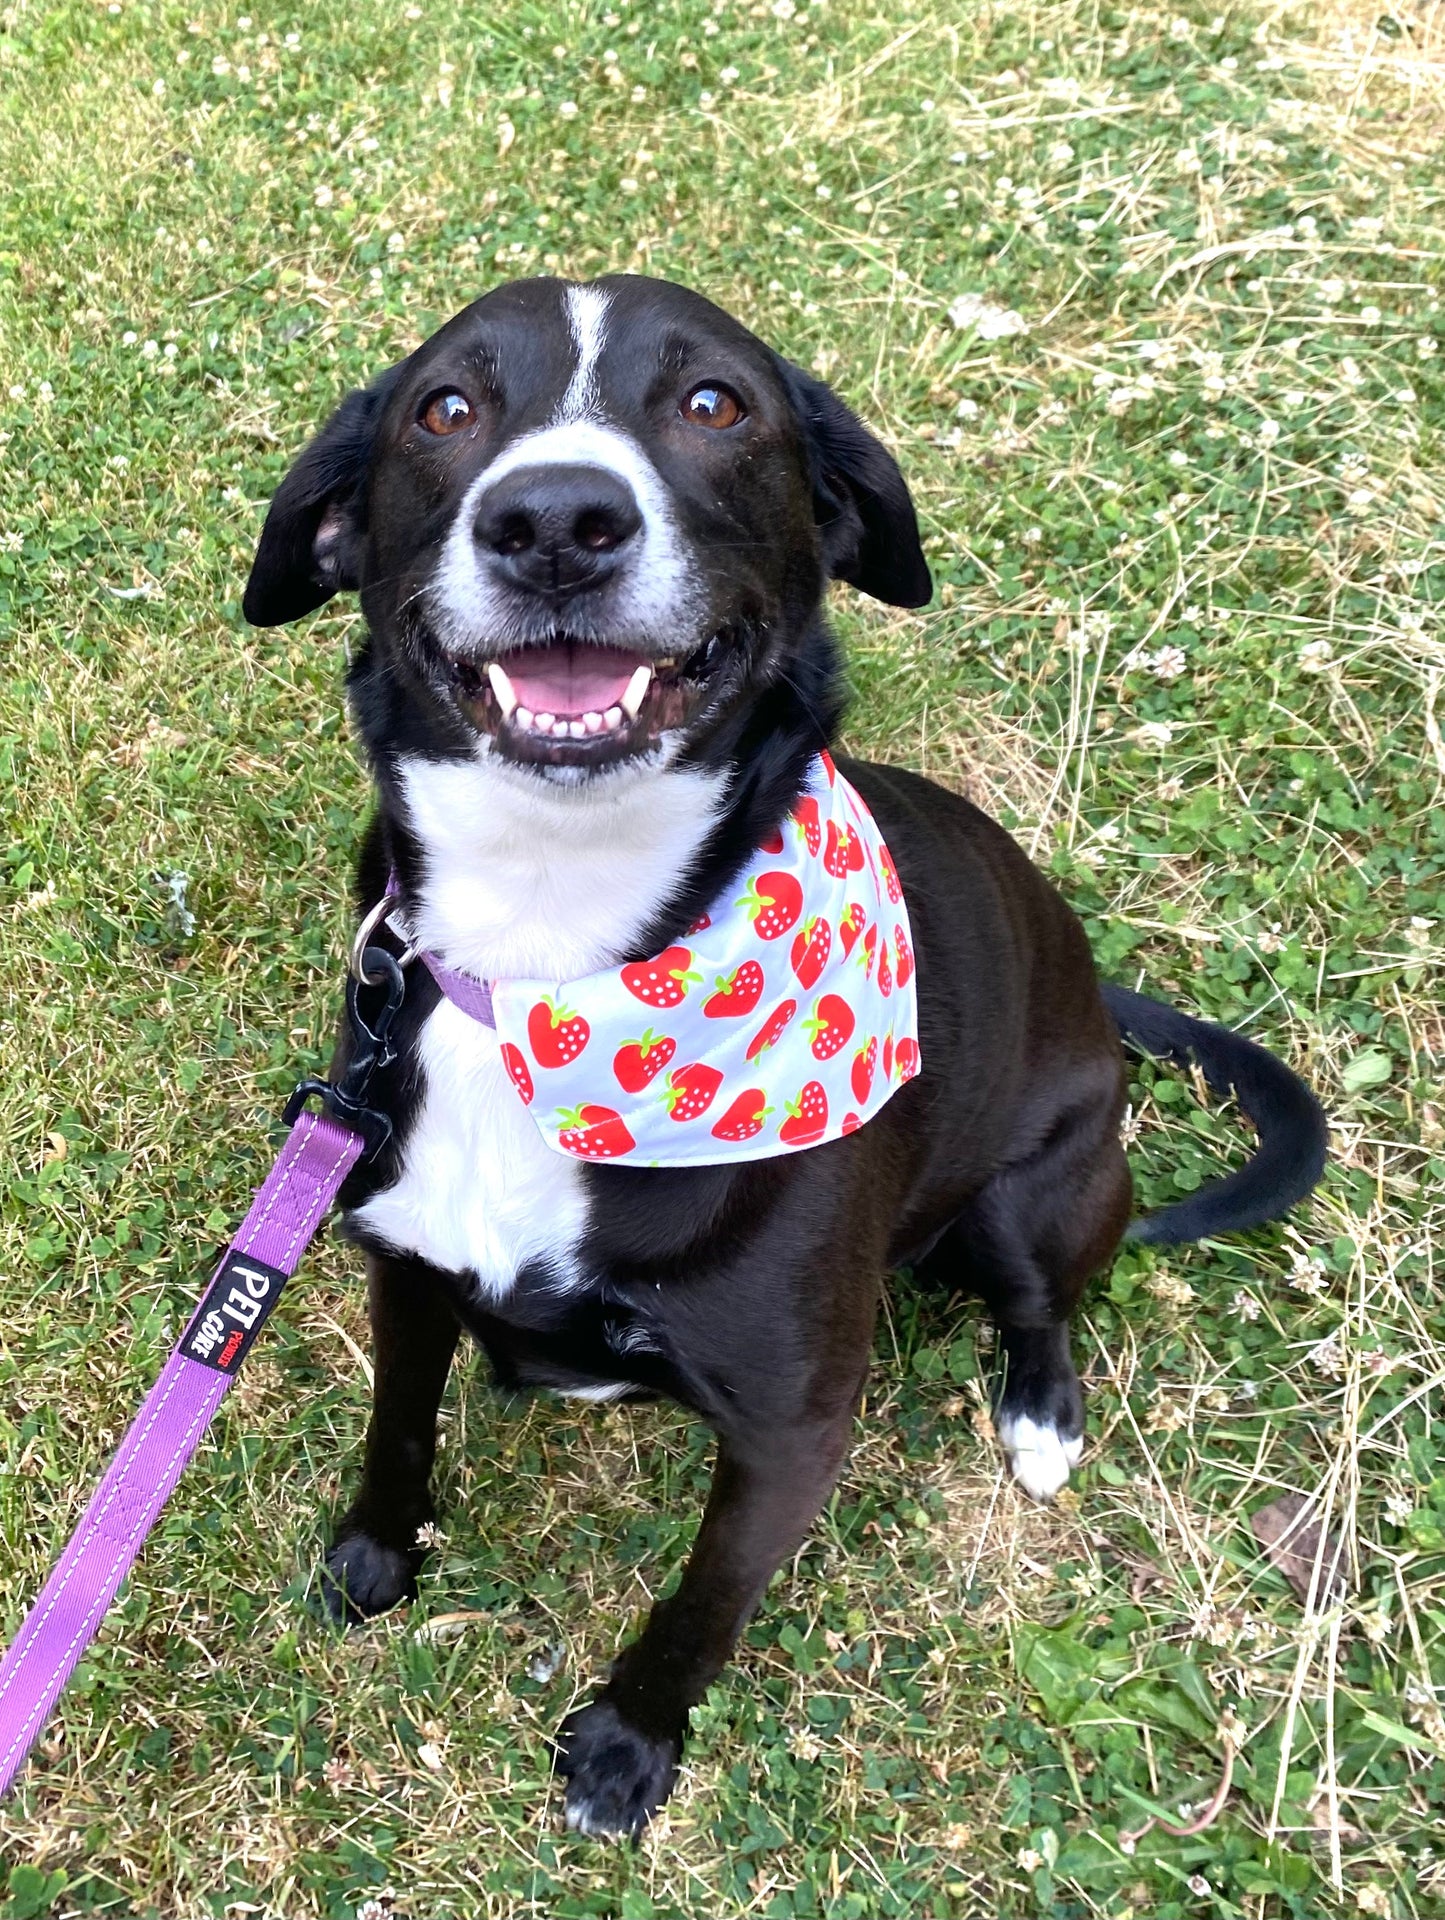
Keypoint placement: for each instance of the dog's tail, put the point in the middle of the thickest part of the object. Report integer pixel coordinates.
(1293, 1131)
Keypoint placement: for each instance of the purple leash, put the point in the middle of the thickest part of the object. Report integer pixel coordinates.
(319, 1153)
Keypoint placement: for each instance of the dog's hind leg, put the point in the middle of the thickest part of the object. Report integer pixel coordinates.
(1027, 1244)
(374, 1561)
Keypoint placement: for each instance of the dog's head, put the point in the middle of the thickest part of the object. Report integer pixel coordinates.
(587, 523)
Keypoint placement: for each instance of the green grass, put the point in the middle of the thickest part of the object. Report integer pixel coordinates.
(1220, 434)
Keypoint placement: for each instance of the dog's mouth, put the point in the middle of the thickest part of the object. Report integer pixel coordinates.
(576, 702)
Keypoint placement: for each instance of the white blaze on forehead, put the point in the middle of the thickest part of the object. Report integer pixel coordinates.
(587, 317)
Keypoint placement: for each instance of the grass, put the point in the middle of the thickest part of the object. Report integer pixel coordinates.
(1187, 531)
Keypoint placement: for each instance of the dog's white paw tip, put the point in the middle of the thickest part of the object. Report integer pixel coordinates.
(1039, 1457)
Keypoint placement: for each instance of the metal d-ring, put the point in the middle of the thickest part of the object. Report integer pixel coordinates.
(362, 937)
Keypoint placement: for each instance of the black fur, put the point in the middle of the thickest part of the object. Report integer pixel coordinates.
(745, 1292)
(1293, 1131)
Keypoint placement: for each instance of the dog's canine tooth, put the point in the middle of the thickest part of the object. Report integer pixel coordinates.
(524, 717)
(612, 719)
(636, 691)
(592, 722)
(502, 688)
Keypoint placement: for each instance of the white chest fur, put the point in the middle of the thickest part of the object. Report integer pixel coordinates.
(522, 880)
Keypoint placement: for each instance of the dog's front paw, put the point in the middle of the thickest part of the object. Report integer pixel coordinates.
(360, 1577)
(617, 1776)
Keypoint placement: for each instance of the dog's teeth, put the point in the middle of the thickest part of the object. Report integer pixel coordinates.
(592, 722)
(502, 688)
(544, 722)
(524, 717)
(612, 719)
(636, 691)
(577, 729)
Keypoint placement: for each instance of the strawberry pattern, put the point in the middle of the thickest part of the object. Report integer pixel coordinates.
(787, 1019)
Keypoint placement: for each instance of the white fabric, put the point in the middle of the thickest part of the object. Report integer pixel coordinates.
(785, 1017)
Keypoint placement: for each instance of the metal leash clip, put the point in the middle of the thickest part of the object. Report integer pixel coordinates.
(371, 1047)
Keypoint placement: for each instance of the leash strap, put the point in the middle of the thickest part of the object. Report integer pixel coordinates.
(283, 1219)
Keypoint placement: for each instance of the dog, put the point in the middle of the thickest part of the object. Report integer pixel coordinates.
(613, 501)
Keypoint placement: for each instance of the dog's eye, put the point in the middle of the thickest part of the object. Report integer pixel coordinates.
(447, 412)
(713, 406)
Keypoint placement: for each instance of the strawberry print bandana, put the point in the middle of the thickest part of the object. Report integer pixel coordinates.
(785, 1017)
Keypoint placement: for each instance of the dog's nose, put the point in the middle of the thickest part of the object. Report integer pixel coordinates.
(557, 530)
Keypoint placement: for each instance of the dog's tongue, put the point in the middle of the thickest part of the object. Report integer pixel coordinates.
(569, 680)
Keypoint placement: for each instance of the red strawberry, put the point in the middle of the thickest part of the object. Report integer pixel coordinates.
(771, 842)
(888, 1057)
(905, 956)
(890, 874)
(844, 851)
(831, 1026)
(739, 993)
(807, 1116)
(851, 1122)
(517, 1071)
(638, 1061)
(594, 1133)
(828, 767)
(870, 946)
(885, 972)
(744, 1117)
(907, 1059)
(806, 816)
(864, 1061)
(690, 1090)
(556, 1033)
(767, 1034)
(773, 901)
(810, 951)
(701, 924)
(662, 982)
(850, 926)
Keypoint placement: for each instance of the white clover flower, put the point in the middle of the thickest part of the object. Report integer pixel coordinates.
(1359, 501)
(1327, 1359)
(1370, 316)
(1315, 656)
(395, 240)
(1272, 939)
(1350, 373)
(1187, 161)
(784, 9)
(11, 542)
(1168, 664)
(1152, 735)
(1420, 932)
(323, 196)
(568, 109)
(1245, 1305)
(967, 409)
(1060, 154)
(1267, 433)
(150, 349)
(1426, 347)
(1332, 292)
(1308, 1275)
(728, 76)
(988, 320)
(1030, 1859)
(1398, 1508)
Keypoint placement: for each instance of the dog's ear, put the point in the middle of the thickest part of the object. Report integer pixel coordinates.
(862, 503)
(310, 546)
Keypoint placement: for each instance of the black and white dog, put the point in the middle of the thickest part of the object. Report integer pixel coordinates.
(616, 493)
